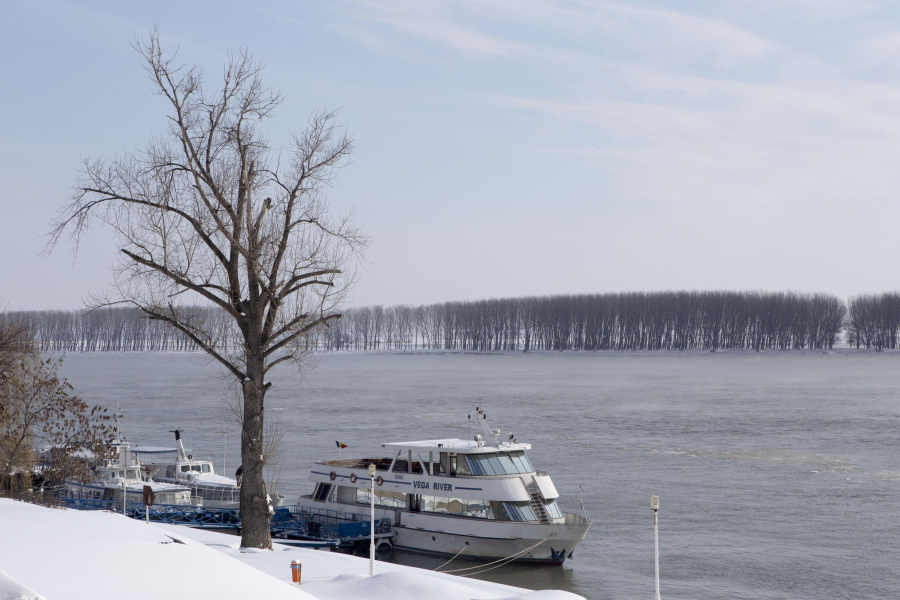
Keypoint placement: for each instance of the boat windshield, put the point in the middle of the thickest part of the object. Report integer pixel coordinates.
(495, 463)
(133, 474)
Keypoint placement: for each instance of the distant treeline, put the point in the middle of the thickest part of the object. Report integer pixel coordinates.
(874, 321)
(111, 330)
(629, 321)
(632, 321)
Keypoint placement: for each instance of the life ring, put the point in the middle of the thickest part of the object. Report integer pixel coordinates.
(379, 480)
(352, 477)
(147, 471)
(333, 475)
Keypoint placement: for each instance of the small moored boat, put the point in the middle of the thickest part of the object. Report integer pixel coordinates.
(123, 475)
(175, 466)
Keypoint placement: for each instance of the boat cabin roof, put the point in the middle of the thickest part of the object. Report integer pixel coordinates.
(459, 446)
(153, 450)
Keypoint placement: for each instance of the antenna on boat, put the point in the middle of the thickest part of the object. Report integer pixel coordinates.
(224, 433)
(116, 418)
(582, 505)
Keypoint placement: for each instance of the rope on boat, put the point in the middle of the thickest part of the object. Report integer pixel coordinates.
(454, 557)
(507, 559)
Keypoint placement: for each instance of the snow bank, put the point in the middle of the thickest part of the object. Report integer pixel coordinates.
(332, 575)
(88, 555)
(96, 555)
(10, 589)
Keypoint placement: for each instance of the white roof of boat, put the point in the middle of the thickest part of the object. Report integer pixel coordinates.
(152, 450)
(457, 445)
(210, 478)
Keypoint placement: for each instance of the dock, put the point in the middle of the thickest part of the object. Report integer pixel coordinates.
(291, 525)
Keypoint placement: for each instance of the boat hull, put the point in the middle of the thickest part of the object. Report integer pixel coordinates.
(544, 543)
(531, 542)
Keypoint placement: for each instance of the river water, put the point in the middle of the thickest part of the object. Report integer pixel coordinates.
(778, 472)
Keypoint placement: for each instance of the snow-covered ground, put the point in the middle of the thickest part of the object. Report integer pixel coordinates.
(78, 555)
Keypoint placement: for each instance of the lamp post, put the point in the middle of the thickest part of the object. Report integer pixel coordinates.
(654, 506)
(372, 522)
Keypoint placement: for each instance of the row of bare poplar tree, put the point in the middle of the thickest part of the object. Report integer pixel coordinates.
(118, 330)
(628, 321)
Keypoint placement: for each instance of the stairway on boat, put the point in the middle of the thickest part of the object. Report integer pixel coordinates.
(537, 504)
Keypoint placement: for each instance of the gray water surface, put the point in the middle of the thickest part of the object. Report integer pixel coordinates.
(778, 473)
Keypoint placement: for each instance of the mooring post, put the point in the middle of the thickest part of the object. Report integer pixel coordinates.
(372, 522)
(654, 505)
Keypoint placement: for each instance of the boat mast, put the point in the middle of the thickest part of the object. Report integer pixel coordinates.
(179, 445)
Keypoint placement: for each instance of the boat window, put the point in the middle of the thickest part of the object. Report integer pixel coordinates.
(484, 465)
(499, 511)
(445, 462)
(206, 468)
(508, 466)
(553, 510)
(462, 465)
(478, 509)
(516, 458)
(520, 511)
(195, 468)
(495, 463)
(185, 468)
(501, 463)
(170, 471)
(455, 506)
(385, 499)
(526, 463)
(133, 474)
(321, 492)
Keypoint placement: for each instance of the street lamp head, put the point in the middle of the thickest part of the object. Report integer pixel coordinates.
(654, 502)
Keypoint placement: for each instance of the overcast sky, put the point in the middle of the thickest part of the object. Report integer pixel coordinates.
(505, 148)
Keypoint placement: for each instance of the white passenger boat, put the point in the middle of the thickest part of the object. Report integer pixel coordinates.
(123, 475)
(175, 466)
(479, 498)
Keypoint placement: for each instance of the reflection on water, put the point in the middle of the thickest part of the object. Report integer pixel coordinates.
(777, 471)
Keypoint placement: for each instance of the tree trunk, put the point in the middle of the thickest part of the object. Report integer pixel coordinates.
(255, 516)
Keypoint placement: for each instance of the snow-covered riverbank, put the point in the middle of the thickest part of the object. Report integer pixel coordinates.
(56, 553)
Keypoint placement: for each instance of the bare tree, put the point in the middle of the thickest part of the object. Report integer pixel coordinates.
(16, 343)
(37, 412)
(191, 224)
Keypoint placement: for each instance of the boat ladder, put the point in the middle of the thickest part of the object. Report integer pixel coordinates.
(537, 504)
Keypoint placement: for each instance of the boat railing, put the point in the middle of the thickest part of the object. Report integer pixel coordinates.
(181, 514)
(382, 464)
(575, 519)
(327, 524)
(287, 523)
